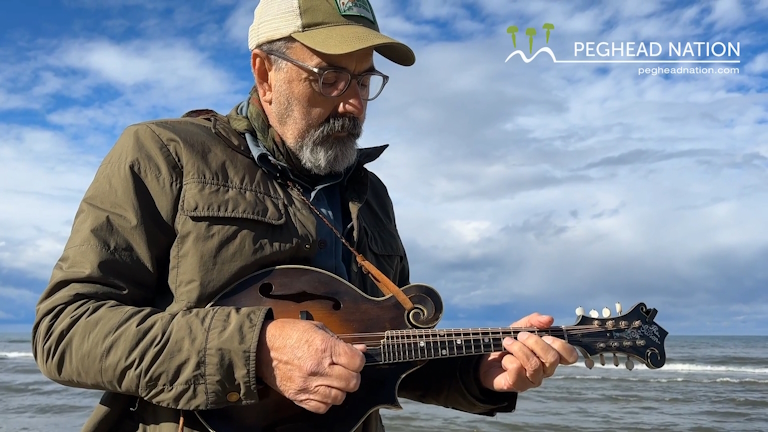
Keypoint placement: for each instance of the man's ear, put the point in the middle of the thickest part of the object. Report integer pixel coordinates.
(261, 66)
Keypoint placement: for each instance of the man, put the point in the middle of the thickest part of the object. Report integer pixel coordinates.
(181, 209)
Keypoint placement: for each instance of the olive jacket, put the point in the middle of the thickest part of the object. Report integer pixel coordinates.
(178, 211)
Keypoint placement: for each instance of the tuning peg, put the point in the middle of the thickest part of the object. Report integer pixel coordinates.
(615, 360)
(589, 363)
(618, 308)
(602, 360)
(606, 312)
(580, 311)
(629, 364)
(593, 313)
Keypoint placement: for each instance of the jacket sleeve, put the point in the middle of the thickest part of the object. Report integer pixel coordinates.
(97, 324)
(452, 382)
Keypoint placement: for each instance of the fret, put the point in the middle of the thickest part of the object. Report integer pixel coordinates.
(440, 344)
(419, 343)
(412, 343)
(399, 352)
(384, 353)
(432, 342)
(406, 345)
(423, 344)
(392, 347)
(490, 340)
(404, 342)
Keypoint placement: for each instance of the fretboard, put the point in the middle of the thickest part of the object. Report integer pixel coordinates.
(408, 345)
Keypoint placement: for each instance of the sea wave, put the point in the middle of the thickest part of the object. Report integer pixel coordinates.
(15, 354)
(660, 380)
(685, 368)
(693, 367)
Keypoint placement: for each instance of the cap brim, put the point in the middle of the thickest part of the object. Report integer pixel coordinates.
(344, 39)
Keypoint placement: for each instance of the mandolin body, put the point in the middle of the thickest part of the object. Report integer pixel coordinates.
(308, 293)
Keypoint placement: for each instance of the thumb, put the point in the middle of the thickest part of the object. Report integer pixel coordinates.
(534, 320)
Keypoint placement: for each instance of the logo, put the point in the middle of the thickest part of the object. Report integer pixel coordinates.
(357, 8)
(637, 52)
(531, 32)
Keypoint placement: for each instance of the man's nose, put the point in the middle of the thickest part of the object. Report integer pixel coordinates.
(352, 102)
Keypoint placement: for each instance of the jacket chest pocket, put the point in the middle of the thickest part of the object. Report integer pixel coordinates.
(381, 245)
(226, 232)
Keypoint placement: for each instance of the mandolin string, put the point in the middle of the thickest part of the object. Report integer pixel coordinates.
(477, 333)
(412, 340)
(497, 329)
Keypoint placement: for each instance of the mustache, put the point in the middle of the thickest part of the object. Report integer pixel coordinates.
(338, 124)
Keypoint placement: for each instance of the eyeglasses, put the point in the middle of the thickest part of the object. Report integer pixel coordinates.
(333, 82)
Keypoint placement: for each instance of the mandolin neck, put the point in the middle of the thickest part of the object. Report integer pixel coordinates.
(409, 345)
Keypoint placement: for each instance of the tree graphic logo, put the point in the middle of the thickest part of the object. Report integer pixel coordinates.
(530, 32)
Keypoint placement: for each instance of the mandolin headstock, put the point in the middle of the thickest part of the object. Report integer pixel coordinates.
(634, 334)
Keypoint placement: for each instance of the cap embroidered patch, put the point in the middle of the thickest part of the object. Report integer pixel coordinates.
(356, 7)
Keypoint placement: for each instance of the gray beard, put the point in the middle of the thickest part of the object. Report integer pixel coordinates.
(322, 153)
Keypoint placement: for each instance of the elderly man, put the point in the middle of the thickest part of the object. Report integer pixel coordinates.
(181, 209)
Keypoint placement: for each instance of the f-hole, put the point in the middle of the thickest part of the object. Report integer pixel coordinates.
(266, 288)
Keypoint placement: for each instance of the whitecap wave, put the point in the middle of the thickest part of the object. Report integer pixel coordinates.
(683, 368)
(693, 367)
(660, 380)
(15, 354)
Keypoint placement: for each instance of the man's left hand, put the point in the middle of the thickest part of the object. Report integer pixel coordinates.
(527, 360)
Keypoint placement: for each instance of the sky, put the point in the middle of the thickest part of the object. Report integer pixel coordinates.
(518, 186)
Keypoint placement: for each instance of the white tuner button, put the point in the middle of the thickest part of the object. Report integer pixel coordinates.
(593, 313)
(606, 312)
(618, 308)
(580, 311)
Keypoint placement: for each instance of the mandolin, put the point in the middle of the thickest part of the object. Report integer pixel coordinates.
(399, 341)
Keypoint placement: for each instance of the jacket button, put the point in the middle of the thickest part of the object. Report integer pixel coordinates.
(322, 244)
(233, 396)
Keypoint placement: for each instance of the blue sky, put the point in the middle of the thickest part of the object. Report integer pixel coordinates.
(518, 187)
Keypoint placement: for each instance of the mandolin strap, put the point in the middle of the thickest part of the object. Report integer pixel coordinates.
(385, 285)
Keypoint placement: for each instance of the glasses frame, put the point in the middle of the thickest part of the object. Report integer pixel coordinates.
(320, 72)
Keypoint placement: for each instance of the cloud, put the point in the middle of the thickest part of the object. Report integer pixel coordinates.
(239, 20)
(726, 13)
(642, 156)
(170, 69)
(759, 64)
(18, 295)
(43, 178)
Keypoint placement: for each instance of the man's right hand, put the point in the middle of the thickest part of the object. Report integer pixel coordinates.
(308, 364)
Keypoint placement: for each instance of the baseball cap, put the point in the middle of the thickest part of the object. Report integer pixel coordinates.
(327, 26)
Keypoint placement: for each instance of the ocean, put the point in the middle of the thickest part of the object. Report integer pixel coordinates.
(709, 383)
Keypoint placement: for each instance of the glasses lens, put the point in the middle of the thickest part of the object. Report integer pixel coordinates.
(333, 82)
(370, 86)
